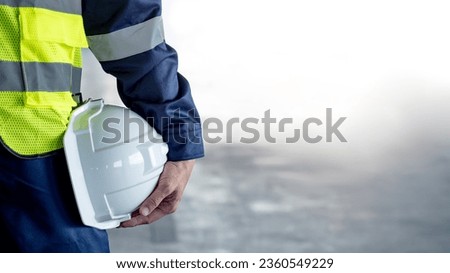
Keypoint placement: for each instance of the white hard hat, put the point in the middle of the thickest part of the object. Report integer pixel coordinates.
(115, 158)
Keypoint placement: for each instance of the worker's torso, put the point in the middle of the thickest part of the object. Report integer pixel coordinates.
(40, 68)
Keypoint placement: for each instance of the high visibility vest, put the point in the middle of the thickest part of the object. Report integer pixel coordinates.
(40, 68)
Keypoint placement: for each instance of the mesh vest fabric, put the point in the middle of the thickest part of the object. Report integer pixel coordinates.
(40, 53)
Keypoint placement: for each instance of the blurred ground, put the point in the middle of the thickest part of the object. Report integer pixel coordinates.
(277, 199)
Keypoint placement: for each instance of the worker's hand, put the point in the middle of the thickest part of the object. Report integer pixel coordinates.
(165, 198)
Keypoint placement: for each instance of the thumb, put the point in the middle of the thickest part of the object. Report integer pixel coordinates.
(152, 202)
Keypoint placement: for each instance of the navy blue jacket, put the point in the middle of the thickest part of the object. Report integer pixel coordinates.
(127, 38)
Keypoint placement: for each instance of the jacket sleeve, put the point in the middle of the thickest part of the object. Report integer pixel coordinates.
(127, 37)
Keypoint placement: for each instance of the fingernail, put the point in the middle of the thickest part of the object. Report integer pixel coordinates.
(145, 211)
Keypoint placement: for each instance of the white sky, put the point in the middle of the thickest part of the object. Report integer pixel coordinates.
(383, 64)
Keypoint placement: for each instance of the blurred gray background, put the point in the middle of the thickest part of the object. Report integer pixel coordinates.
(383, 65)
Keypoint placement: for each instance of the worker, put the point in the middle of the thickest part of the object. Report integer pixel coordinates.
(40, 75)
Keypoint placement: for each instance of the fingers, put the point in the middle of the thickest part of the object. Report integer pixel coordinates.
(149, 211)
(167, 206)
(171, 184)
(152, 202)
(142, 220)
(167, 195)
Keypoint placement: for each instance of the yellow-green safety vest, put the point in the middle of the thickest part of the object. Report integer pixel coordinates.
(40, 68)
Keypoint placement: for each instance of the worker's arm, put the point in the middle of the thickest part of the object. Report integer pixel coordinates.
(127, 38)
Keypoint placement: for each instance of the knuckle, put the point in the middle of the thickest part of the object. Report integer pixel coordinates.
(172, 209)
(167, 191)
(152, 202)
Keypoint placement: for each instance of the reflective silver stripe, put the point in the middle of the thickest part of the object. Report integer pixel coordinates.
(30, 76)
(76, 80)
(128, 41)
(11, 77)
(68, 6)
